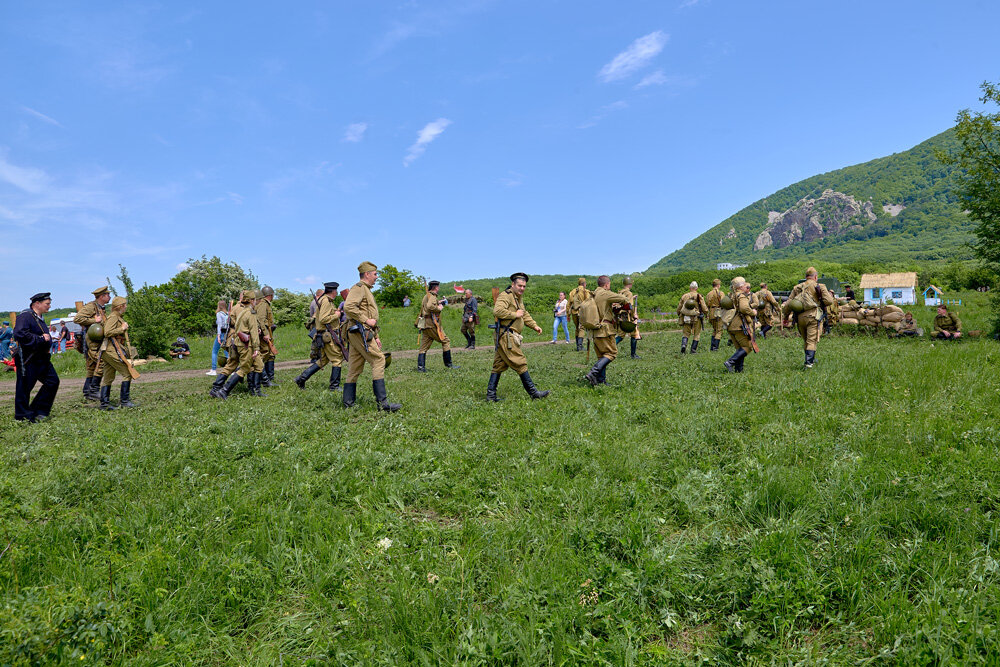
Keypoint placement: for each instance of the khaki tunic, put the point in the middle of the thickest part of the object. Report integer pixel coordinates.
(265, 318)
(604, 336)
(691, 324)
(232, 355)
(367, 348)
(85, 317)
(328, 315)
(241, 360)
(767, 307)
(430, 309)
(812, 294)
(632, 316)
(577, 296)
(712, 300)
(111, 361)
(508, 350)
(744, 316)
(947, 323)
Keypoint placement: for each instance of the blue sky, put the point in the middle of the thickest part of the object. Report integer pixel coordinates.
(454, 139)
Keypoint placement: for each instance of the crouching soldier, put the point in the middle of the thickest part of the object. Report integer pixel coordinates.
(947, 326)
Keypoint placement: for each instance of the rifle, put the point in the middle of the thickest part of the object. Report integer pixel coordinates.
(127, 360)
(749, 334)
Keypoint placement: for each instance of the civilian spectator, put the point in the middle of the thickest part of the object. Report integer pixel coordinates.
(6, 334)
(34, 362)
(221, 327)
(561, 317)
(53, 339)
(406, 301)
(848, 292)
(179, 349)
(64, 336)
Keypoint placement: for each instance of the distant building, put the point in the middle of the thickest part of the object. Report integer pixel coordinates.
(900, 288)
(932, 296)
(725, 266)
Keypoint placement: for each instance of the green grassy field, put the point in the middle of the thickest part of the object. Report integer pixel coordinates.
(842, 514)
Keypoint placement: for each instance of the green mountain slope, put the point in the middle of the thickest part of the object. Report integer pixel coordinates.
(931, 227)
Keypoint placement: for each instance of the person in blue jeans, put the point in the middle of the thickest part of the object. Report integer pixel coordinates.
(221, 327)
(560, 316)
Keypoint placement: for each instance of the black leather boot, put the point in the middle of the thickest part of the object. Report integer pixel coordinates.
(579, 344)
(335, 378)
(529, 387)
(306, 374)
(594, 376)
(421, 363)
(473, 337)
(491, 387)
(634, 344)
(350, 389)
(618, 339)
(694, 346)
(257, 380)
(603, 376)
(123, 397)
(714, 347)
(732, 362)
(468, 340)
(378, 387)
(764, 329)
(104, 395)
(233, 380)
(447, 359)
(684, 344)
(739, 363)
(220, 380)
(267, 376)
(91, 389)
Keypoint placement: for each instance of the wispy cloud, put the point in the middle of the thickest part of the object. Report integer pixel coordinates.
(231, 197)
(512, 179)
(603, 113)
(429, 133)
(689, 3)
(39, 115)
(657, 78)
(355, 132)
(635, 57)
(308, 280)
(183, 266)
(27, 179)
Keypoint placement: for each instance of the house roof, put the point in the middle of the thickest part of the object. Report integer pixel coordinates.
(932, 288)
(870, 280)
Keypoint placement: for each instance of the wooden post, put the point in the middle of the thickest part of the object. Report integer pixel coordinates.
(13, 318)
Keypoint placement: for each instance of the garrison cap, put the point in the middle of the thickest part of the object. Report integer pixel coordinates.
(811, 271)
(365, 267)
(41, 296)
(103, 289)
(118, 301)
(432, 284)
(520, 275)
(581, 281)
(763, 284)
(331, 287)
(738, 281)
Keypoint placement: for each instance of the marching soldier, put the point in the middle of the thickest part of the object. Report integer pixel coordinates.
(767, 309)
(33, 362)
(244, 351)
(604, 337)
(328, 320)
(92, 313)
(430, 328)
(265, 318)
(511, 318)
(691, 310)
(364, 343)
(232, 358)
(633, 316)
(115, 357)
(577, 296)
(809, 301)
(741, 326)
(714, 303)
(947, 325)
(470, 318)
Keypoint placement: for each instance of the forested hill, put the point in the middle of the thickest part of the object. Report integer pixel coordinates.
(896, 208)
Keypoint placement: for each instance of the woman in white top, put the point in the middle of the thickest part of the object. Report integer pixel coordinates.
(560, 315)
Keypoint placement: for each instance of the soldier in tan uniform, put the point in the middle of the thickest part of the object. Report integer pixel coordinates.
(511, 318)
(767, 309)
(329, 318)
(92, 313)
(364, 343)
(815, 299)
(691, 317)
(577, 296)
(114, 352)
(741, 325)
(265, 318)
(232, 358)
(947, 325)
(244, 351)
(431, 331)
(633, 316)
(713, 301)
(604, 337)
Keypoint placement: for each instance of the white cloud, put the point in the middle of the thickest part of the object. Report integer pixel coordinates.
(635, 57)
(183, 266)
(657, 78)
(429, 133)
(38, 114)
(603, 113)
(28, 179)
(355, 132)
(689, 3)
(308, 280)
(512, 179)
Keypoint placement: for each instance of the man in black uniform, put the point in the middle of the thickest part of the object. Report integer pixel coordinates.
(470, 318)
(34, 363)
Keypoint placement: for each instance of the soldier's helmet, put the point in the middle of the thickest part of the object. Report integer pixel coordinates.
(690, 304)
(267, 290)
(796, 306)
(95, 332)
(626, 326)
(726, 301)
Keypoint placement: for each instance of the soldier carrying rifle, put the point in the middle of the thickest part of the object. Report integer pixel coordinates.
(328, 337)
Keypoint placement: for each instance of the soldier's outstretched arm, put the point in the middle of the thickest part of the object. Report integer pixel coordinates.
(529, 321)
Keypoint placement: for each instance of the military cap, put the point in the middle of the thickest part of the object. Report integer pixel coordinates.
(331, 287)
(581, 281)
(6, 323)
(246, 295)
(693, 285)
(103, 289)
(627, 281)
(432, 284)
(365, 267)
(811, 271)
(716, 282)
(41, 296)
(520, 275)
(118, 301)
(267, 290)
(738, 281)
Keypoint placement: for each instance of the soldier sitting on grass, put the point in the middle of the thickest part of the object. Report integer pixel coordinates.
(947, 326)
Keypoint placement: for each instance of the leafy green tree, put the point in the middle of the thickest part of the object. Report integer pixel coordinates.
(151, 327)
(192, 294)
(394, 284)
(290, 307)
(978, 159)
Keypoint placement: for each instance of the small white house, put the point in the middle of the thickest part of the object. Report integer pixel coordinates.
(900, 288)
(725, 266)
(932, 296)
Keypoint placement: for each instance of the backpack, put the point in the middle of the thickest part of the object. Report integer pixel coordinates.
(589, 318)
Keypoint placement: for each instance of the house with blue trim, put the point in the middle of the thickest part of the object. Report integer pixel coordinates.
(899, 288)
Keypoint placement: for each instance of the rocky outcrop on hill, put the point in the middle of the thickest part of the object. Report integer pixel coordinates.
(730, 235)
(810, 219)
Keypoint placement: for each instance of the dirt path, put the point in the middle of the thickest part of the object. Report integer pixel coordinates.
(66, 385)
